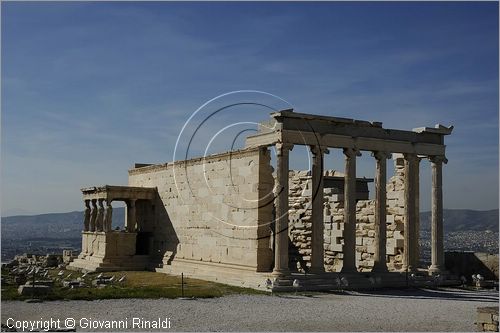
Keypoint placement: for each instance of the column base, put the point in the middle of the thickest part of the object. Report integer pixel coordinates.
(316, 270)
(380, 268)
(280, 273)
(409, 269)
(436, 269)
(348, 270)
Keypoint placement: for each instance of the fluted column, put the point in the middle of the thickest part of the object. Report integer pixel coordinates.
(86, 216)
(281, 208)
(349, 249)
(416, 217)
(93, 216)
(437, 247)
(131, 216)
(409, 214)
(317, 237)
(380, 243)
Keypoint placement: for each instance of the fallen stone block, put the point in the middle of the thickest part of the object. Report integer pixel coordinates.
(37, 290)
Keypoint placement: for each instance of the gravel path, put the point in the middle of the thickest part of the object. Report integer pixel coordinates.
(408, 310)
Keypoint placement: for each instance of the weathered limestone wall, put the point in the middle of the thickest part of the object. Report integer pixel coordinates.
(207, 209)
(110, 244)
(395, 215)
(108, 251)
(333, 217)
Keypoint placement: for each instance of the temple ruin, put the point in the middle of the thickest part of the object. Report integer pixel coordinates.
(233, 218)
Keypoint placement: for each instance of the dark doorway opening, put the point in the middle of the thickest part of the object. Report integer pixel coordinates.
(142, 243)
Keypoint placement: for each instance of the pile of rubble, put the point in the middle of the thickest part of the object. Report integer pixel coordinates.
(31, 274)
(48, 260)
(102, 281)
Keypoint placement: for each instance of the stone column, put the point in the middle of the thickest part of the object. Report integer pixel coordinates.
(317, 236)
(281, 204)
(100, 216)
(380, 243)
(349, 249)
(437, 247)
(131, 216)
(86, 216)
(93, 216)
(409, 214)
(416, 217)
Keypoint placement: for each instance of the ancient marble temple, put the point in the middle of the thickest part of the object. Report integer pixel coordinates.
(233, 218)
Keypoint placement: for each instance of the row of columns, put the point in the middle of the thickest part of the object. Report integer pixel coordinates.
(100, 219)
(97, 218)
(411, 215)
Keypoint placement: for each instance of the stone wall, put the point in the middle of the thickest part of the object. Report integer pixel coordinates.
(109, 251)
(219, 210)
(300, 223)
(212, 210)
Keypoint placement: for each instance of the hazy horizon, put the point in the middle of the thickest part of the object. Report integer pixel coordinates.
(121, 206)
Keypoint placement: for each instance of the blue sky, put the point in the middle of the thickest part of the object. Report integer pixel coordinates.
(90, 88)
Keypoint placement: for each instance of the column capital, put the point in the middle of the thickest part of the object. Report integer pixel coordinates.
(317, 149)
(351, 152)
(264, 149)
(282, 147)
(410, 157)
(438, 159)
(381, 155)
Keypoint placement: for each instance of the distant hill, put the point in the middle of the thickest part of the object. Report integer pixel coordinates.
(54, 225)
(69, 225)
(464, 219)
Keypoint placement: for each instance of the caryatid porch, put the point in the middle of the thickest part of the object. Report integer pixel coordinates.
(102, 247)
(320, 133)
(99, 219)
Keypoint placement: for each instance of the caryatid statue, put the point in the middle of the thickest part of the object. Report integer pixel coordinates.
(108, 219)
(93, 216)
(86, 216)
(100, 216)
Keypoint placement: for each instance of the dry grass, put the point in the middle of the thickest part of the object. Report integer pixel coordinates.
(136, 285)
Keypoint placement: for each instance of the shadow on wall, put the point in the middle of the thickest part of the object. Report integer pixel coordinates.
(296, 259)
(166, 240)
(468, 263)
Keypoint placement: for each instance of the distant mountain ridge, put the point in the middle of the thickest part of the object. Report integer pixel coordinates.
(52, 225)
(69, 225)
(464, 219)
